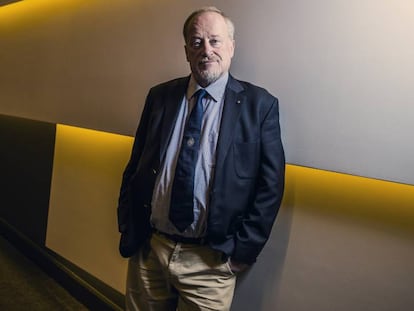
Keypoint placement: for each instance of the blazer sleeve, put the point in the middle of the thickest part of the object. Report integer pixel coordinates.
(259, 218)
(124, 203)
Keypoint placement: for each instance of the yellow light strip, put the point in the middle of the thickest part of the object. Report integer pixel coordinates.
(27, 12)
(380, 203)
(363, 199)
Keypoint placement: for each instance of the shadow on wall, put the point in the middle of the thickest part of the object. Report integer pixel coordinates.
(5, 2)
(258, 288)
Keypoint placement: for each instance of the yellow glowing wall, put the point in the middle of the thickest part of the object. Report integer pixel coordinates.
(82, 225)
(381, 204)
(86, 177)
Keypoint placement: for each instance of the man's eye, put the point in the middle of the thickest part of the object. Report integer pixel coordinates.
(214, 42)
(196, 43)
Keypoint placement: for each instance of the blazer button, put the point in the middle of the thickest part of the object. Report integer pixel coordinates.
(154, 171)
(146, 205)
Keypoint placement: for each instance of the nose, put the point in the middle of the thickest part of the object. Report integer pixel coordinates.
(207, 48)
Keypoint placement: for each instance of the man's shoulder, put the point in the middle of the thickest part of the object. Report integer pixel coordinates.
(252, 89)
(173, 84)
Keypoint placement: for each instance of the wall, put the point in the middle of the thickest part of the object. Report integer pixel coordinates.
(342, 72)
(340, 242)
(82, 224)
(26, 164)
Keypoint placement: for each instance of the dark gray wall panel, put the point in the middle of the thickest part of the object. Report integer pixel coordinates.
(26, 162)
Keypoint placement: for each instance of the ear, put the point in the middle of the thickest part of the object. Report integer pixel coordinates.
(232, 48)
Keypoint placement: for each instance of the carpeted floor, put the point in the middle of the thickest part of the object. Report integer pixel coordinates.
(24, 286)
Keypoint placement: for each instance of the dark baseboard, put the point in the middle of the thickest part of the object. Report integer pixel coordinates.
(91, 292)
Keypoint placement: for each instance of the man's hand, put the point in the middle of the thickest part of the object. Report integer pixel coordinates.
(236, 266)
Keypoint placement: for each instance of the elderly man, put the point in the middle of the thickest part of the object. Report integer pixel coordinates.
(205, 179)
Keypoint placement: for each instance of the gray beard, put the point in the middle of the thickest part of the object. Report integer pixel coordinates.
(208, 77)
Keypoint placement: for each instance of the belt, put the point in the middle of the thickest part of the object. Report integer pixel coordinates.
(181, 239)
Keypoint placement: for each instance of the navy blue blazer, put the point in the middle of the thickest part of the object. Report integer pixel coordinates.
(249, 175)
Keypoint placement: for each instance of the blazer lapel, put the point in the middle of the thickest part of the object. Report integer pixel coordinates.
(173, 100)
(234, 98)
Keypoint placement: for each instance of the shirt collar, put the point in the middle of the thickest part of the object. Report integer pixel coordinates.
(215, 89)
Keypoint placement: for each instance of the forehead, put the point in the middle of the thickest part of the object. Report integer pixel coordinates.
(210, 23)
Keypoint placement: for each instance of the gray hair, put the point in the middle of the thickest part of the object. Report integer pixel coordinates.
(189, 20)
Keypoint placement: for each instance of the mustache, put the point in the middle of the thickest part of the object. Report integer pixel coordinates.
(209, 59)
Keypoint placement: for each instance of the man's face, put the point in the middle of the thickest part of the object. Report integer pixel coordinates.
(209, 48)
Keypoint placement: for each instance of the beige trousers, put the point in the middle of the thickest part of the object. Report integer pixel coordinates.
(170, 276)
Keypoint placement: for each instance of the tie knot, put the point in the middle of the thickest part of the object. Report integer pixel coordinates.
(200, 94)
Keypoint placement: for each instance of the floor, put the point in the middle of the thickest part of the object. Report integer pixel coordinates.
(24, 286)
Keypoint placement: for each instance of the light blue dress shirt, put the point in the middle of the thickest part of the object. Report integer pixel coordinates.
(204, 170)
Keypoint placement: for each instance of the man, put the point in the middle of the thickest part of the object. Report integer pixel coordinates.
(205, 180)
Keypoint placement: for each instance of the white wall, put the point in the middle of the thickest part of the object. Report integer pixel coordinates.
(343, 70)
